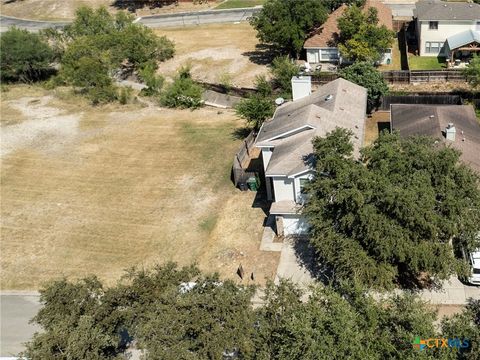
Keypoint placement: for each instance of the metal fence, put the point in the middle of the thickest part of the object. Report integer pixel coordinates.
(241, 160)
(422, 76)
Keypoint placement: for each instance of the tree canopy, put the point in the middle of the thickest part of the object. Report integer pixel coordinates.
(179, 313)
(361, 38)
(365, 74)
(389, 218)
(472, 72)
(98, 45)
(286, 24)
(334, 4)
(255, 110)
(24, 56)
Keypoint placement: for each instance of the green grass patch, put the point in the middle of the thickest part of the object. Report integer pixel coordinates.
(212, 146)
(396, 59)
(233, 4)
(426, 63)
(208, 224)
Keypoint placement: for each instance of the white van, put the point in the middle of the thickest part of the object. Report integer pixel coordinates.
(474, 260)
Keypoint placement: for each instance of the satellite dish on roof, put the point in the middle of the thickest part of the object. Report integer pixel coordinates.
(279, 101)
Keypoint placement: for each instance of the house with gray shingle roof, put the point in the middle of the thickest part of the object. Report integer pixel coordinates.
(453, 125)
(447, 29)
(321, 45)
(287, 150)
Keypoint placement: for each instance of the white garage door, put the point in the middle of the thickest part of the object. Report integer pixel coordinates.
(294, 225)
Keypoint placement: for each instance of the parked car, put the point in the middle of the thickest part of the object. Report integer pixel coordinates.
(473, 259)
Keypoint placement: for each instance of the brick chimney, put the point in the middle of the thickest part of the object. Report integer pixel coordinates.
(450, 132)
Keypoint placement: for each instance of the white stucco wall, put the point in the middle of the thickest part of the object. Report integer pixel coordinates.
(445, 30)
(266, 155)
(294, 225)
(283, 188)
(314, 56)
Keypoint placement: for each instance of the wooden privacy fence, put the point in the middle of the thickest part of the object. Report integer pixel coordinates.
(320, 79)
(404, 76)
(423, 76)
(419, 99)
(241, 161)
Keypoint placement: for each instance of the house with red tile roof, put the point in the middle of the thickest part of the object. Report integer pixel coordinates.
(322, 45)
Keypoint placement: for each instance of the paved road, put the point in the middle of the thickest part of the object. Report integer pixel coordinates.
(16, 312)
(156, 21)
(31, 25)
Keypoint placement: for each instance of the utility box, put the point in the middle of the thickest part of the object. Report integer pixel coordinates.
(301, 86)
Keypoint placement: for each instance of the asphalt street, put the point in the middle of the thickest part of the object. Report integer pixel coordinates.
(15, 314)
(156, 21)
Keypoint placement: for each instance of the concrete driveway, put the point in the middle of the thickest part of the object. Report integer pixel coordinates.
(16, 311)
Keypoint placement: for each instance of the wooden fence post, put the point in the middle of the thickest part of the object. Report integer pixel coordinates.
(246, 147)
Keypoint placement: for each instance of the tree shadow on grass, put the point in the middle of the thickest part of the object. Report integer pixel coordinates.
(241, 133)
(262, 55)
(134, 5)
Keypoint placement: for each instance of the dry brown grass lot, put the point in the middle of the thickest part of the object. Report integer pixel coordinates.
(214, 52)
(96, 190)
(374, 124)
(65, 9)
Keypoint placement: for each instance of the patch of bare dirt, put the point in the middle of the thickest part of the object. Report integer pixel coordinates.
(65, 9)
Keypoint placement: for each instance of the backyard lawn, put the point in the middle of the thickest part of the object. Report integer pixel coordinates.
(231, 4)
(426, 63)
(396, 59)
(100, 189)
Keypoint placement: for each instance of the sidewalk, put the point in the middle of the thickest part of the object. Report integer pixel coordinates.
(291, 267)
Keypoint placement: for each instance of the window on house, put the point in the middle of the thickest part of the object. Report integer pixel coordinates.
(329, 54)
(477, 26)
(303, 184)
(433, 25)
(433, 47)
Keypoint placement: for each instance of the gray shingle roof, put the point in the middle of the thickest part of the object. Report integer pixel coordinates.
(294, 124)
(463, 38)
(431, 120)
(441, 10)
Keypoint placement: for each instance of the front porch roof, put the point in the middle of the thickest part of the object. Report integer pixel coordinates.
(285, 207)
(457, 41)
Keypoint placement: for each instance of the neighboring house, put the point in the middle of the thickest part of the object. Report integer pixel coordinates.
(447, 29)
(322, 45)
(287, 150)
(454, 125)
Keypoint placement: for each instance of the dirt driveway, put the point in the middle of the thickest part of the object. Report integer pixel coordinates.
(97, 190)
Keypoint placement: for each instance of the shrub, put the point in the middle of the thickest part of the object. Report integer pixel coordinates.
(183, 92)
(263, 86)
(153, 81)
(255, 110)
(125, 95)
(283, 69)
(24, 56)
